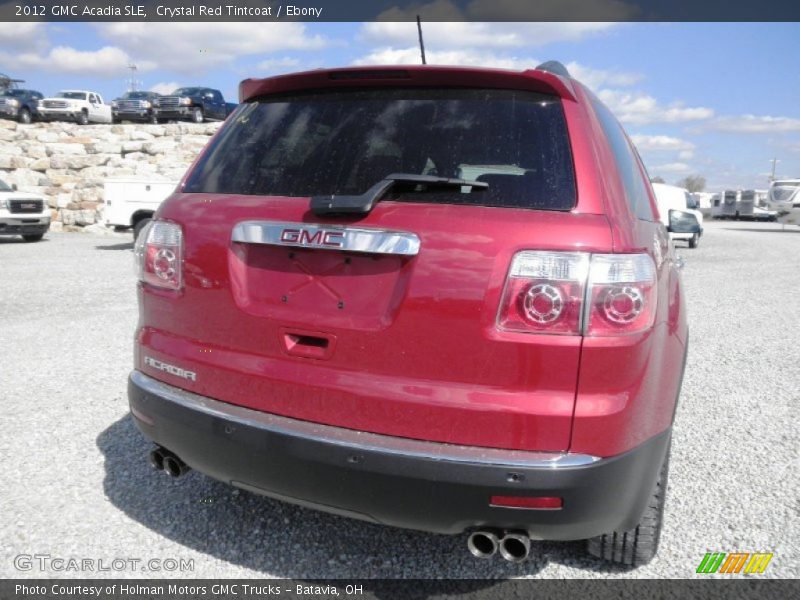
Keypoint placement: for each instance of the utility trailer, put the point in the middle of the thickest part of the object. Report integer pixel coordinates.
(723, 206)
(784, 198)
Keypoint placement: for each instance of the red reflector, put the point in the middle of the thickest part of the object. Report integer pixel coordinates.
(545, 502)
(142, 417)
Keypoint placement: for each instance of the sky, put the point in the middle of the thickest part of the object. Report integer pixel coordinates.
(720, 100)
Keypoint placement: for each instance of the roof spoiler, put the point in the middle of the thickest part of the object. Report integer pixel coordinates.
(550, 78)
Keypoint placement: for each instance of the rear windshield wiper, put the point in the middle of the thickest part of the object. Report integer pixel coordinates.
(363, 203)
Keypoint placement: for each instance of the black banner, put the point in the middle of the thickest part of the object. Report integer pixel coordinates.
(410, 589)
(399, 10)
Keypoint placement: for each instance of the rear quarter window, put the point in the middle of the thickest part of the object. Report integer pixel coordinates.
(343, 142)
(629, 165)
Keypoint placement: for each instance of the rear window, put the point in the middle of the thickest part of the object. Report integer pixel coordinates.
(344, 142)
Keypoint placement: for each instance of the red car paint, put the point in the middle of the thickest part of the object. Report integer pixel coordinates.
(410, 345)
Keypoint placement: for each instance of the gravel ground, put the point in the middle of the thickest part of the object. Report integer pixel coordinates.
(74, 481)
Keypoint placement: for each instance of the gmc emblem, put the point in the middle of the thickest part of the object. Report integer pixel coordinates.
(30, 205)
(320, 237)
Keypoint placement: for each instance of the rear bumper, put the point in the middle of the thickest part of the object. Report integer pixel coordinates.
(434, 487)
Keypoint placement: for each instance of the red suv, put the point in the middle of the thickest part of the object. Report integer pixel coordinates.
(430, 297)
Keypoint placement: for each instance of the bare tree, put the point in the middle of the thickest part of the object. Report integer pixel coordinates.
(693, 183)
(657, 179)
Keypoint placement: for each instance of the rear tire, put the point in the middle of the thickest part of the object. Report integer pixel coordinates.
(140, 224)
(694, 240)
(33, 237)
(637, 546)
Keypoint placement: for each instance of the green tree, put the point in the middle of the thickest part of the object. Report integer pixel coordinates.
(693, 183)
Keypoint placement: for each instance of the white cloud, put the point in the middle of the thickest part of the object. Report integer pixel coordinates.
(193, 48)
(448, 35)
(411, 56)
(654, 148)
(640, 108)
(108, 61)
(277, 65)
(513, 10)
(675, 167)
(791, 146)
(22, 36)
(597, 78)
(593, 78)
(755, 124)
(165, 88)
(187, 48)
(660, 142)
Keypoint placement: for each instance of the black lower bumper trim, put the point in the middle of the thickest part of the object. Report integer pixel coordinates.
(23, 229)
(411, 491)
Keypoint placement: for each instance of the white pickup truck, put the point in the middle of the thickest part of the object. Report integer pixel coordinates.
(132, 202)
(22, 214)
(75, 105)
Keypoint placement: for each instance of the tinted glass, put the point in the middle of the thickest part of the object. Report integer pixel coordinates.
(72, 95)
(137, 95)
(627, 161)
(187, 91)
(4, 187)
(344, 142)
(782, 191)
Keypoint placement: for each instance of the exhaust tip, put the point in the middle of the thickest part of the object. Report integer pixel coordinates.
(482, 544)
(157, 459)
(174, 466)
(515, 547)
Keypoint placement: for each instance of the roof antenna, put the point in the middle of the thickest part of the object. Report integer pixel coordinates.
(421, 43)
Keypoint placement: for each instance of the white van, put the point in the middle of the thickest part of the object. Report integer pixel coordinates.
(132, 202)
(670, 197)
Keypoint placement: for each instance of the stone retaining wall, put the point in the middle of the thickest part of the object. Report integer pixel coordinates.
(67, 164)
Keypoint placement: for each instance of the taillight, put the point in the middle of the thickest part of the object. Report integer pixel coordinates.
(622, 294)
(576, 293)
(544, 293)
(159, 255)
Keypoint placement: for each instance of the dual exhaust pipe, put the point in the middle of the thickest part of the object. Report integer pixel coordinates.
(162, 459)
(514, 546)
